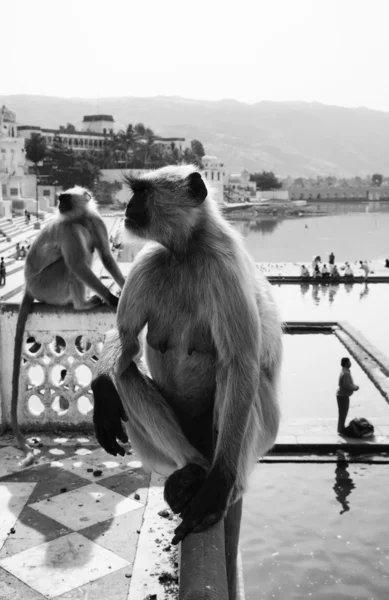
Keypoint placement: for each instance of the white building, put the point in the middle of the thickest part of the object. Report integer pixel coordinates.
(172, 143)
(78, 140)
(12, 160)
(102, 124)
(239, 188)
(93, 133)
(215, 174)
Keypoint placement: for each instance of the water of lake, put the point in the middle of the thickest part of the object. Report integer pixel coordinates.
(316, 531)
(352, 231)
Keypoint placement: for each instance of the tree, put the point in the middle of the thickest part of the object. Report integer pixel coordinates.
(191, 158)
(68, 168)
(85, 171)
(139, 130)
(266, 181)
(36, 151)
(377, 179)
(197, 148)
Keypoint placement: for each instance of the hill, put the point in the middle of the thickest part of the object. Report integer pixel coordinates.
(289, 138)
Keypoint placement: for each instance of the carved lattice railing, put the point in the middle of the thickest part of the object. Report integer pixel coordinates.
(61, 347)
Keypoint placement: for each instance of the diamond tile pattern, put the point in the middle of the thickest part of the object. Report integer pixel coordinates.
(86, 465)
(66, 531)
(88, 505)
(59, 566)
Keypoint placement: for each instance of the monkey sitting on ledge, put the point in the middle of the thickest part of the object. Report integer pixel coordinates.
(213, 350)
(57, 271)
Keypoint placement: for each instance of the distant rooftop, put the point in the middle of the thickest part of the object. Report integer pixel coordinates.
(61, 131)
(94, 118)
(159, 138)
(7, 115)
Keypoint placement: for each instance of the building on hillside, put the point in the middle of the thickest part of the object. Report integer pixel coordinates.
(239, 188)
(12, 160)
(331, 193)
(272, 196)
(172, 143)
(93, 134)
(77, 140)
(215, 174)
(94, 130)
(102, 124)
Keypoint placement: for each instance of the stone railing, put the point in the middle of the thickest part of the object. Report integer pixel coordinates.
(60, 349)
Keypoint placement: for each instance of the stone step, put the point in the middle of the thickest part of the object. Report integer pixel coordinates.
(14, 285)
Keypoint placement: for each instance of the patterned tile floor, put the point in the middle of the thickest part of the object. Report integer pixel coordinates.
(70, 524)
(83, 525)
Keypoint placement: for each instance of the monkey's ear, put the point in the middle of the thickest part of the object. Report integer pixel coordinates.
(87, 196)
(197, 187)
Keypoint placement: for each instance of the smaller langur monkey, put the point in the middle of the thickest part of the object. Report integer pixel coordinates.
(57, 271)
(213, 350)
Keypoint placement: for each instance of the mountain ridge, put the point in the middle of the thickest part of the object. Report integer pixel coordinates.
(294, 138)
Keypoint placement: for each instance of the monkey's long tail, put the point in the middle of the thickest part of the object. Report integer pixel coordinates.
(24, 311)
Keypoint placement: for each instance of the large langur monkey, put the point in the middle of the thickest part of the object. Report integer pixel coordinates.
(58, 270)
(213, 350)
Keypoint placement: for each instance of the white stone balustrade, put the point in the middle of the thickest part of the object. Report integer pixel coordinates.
(61, 347)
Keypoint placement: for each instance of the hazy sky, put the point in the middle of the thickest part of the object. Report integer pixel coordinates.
(332, 51)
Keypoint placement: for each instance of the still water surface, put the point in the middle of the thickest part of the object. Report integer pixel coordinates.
(365, 306)
(309, 380)
(316, 531)
(352, 231)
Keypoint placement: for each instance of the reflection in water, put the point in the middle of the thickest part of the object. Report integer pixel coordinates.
(265, 226)
(321, 291)
(332, 291)
(348, 287)
(364, 292)
(304, 288)
(316, 293)
(247, 225)
(344, 485)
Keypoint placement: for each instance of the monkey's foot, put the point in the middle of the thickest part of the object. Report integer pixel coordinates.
(207, 508)
(182, 485)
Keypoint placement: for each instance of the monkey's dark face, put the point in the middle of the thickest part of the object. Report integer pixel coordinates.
(165, 204)
(138, 208)
(73, 202)
(65, 203)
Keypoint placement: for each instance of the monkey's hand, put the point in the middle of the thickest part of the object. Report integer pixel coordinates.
(207, 508)
(108, 414)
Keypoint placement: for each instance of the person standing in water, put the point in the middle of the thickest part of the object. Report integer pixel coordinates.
(346, 388)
